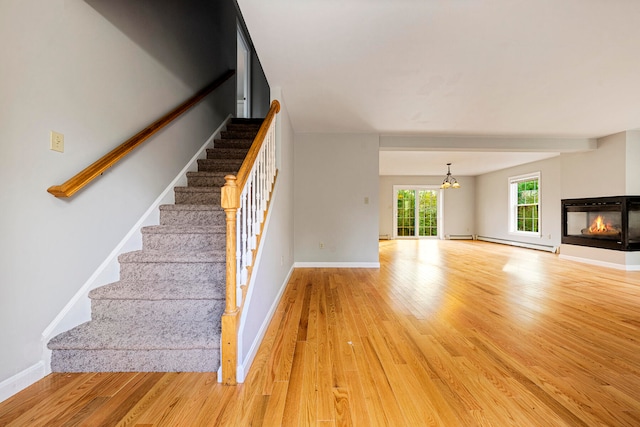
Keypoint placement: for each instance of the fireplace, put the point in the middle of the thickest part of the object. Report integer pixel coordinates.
(602, 222)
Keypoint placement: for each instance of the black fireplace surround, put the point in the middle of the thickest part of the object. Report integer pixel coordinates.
(602, 222)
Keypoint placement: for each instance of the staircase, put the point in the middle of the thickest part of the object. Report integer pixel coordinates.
(164, 313)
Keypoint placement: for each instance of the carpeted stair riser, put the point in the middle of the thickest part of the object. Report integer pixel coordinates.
(219, 165)
(165, 360)
(247, 121)
(237, 134)
(226, 153)
(233, 143)
(184, 238)
(206, 179)
(197, 195)
(243, 127)
(164, 313)
(159, 290)
(199, 215)
(157, 310)
(172, 271)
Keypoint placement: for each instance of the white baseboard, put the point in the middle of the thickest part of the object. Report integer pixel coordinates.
(22, 380)
(601, 263)
(337, 265)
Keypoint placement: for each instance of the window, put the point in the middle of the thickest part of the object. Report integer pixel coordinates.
(524, 202)
(417, 211)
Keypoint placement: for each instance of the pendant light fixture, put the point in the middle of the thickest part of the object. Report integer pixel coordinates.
(449, 181)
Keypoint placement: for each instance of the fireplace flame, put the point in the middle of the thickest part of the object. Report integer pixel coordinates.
(598, 226)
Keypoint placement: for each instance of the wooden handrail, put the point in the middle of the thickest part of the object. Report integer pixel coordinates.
(252, 155)
(72, 185)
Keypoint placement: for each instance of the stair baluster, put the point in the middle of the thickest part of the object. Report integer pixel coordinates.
(248, 195)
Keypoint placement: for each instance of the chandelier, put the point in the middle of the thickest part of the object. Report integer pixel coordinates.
(449, 181)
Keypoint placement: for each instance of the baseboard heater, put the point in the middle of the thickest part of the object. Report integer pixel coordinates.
(384, 237)
(548, 248)
(460, 237)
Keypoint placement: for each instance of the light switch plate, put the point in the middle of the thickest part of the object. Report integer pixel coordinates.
(56, 141)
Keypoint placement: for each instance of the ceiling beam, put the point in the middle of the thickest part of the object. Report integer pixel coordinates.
(484, 143)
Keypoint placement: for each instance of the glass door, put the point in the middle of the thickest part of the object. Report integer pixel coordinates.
(417, 212)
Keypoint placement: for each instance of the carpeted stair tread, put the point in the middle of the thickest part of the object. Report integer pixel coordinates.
(184, 229)
(214, 190)
(191, 207)
(139, 335)
(213, 174)
(152, 256)
(220, 162)
(155, 290)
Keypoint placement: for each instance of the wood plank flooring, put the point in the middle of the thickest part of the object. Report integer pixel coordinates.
(445, 333)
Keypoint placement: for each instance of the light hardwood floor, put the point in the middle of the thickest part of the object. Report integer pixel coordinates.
(445, 333)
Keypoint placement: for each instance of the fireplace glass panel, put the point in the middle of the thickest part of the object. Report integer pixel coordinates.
(634, 222)
(595, 224)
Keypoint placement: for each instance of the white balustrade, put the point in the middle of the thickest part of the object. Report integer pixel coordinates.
(254, 200)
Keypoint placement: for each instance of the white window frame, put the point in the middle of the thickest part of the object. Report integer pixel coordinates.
(513, 204)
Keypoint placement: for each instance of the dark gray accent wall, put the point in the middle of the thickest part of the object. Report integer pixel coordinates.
(260, 91)
(195, 40)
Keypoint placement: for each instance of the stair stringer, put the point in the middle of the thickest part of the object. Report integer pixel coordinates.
(78, 309)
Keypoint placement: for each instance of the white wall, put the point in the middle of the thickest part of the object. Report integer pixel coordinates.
(69, 69)
(458, 209)
(492, 202)
(334, 174)
(271, 272)
(632, 163)
(597, 173)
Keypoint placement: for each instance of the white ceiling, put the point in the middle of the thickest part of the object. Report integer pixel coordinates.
(517, 68)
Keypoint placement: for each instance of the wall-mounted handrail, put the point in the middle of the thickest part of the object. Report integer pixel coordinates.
(84, 177)
(245, 200)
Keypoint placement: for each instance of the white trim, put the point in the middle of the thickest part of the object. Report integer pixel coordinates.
(336, 265)
(78, 309)
(21, 380)
(633, 267)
